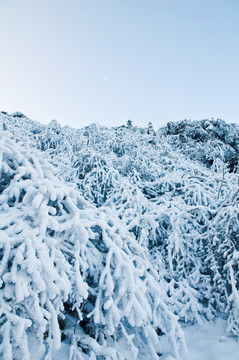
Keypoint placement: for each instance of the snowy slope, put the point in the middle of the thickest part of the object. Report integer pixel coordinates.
(124, 234)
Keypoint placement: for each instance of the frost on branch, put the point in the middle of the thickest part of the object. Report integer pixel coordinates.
(61, 255)
(166, 220)
(224, 261)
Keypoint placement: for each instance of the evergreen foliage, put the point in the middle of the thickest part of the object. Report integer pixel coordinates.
(127, 231)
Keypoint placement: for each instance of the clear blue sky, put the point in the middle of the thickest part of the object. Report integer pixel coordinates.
(108, 61)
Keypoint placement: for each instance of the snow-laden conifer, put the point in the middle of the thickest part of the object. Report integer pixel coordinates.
(59, 256)
(173, 194)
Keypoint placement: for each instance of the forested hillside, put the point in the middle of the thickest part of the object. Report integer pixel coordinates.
(112, 238)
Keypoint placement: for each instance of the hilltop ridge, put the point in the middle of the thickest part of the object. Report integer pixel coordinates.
(137, 228)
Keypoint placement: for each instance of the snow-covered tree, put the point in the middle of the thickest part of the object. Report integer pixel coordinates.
(60, 255)
(136, 228)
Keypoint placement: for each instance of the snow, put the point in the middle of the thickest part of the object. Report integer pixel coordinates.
(112, 243)
(209, 342)
(206, 341)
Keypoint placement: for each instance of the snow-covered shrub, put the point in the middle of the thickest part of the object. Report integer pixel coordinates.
(59, 255)
(95, 177)
(205, 140)
(158, 207)
(224, 260)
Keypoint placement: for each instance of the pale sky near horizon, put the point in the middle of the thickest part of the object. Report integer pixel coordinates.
(108, 61)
